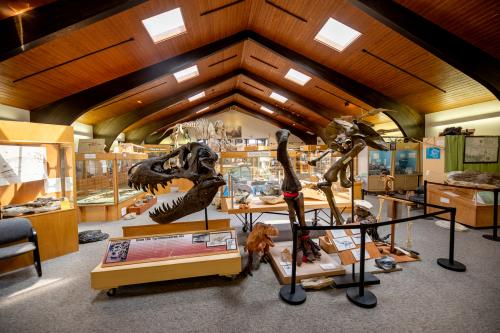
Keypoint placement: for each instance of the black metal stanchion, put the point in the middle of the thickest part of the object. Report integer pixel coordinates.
(293, 294)
(425, 196)
(358, 295)
(494, 236)
(206, 219)
(450, 263)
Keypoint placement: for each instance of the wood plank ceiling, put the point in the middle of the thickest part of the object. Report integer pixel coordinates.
(36, 77)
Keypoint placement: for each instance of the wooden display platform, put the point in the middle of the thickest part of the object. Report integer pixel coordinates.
(107, 213)
(306, 270)
(144, 207)
(224, 264)
(175, 227)
(257, 206)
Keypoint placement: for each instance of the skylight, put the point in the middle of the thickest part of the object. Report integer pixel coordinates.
(336, 35)
(186, 74)
(201, 110)
(165, 25)
(297, 77)
(278, 97)
(263, 108)
(197, 96)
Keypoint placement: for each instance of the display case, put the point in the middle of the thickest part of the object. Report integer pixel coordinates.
(474, 205)
(407, 166)
(103, 193)
(36, 182)
(379, 163)
(258, 172)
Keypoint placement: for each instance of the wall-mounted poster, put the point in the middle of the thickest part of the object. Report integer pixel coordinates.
(433, 153)
(481, 149)
(233, 131)
(21, 164)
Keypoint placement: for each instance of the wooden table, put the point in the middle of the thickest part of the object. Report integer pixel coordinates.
(245, 215)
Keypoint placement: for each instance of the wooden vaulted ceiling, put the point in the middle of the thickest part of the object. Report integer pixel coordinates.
(51, 78)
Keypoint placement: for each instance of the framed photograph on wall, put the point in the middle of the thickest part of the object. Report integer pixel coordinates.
(481, 149)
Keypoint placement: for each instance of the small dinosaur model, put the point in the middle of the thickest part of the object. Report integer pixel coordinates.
(196, 162)
(259, 241)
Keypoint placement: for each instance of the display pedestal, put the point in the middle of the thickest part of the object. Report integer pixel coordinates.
(492, 238)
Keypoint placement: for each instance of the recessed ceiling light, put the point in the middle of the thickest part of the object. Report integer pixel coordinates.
(187, 74)
(165, 25)
(297, 77)
(201, 110)
(336, 35)
(197, 96)
(263, 108)
(278, 97)
(139, 102)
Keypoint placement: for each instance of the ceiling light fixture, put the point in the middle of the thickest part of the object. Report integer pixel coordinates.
(297, 77)
(165, 25)
(204, 109)
(263, 108)
(336, 35)
(186, 74)
(197, 96)
(139, 102)
(278, 97)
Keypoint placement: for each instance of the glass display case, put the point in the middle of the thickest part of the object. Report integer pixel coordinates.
(406, 162)
(102, 180)
(37, 182)
(35, 178)
(379, 162)
(255, 172)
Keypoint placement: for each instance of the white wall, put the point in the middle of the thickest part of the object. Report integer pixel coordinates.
(12, 113)
(484, 117)
(251, 128)
(82, 131)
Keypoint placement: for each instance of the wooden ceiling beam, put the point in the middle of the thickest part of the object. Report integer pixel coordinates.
(68, 109)
(409, 121)
(311, 105)
(139, 134)
(315, 128)
(467, 58)
(35, 27)
(112, 127)
(307, 138)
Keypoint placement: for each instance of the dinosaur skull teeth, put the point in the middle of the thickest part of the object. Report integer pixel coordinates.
(166, 208)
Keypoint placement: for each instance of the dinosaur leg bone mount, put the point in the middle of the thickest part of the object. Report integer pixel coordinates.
(196, 162)
(307, 250)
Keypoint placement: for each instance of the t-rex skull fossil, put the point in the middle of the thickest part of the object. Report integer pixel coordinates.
(196, 163)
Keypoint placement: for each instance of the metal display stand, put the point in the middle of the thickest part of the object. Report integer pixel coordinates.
(294, 294)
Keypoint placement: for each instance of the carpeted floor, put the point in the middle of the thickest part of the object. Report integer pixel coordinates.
(421, 298)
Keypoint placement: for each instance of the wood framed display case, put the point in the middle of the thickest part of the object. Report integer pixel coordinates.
(474, 205)
(37, 161)
(103, 193)
(404, 164)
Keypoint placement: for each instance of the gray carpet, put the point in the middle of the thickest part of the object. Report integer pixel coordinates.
(421, 298)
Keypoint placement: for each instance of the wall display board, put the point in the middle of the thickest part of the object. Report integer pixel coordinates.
(481, 149)
(21, 164)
